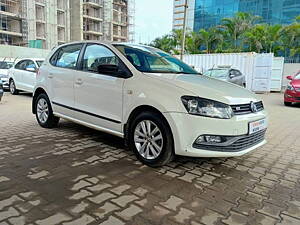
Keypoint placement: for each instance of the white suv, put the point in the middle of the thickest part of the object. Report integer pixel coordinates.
(160, 105)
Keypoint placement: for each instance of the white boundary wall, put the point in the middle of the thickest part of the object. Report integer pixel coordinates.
(16, 52)
(256, 67)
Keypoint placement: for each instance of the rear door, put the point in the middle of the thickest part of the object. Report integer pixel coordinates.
(60, 77)
(16, 74)
(29, 77)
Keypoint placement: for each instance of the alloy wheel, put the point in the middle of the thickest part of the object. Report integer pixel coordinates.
(148, 139)
(42, 110)
(12, 87)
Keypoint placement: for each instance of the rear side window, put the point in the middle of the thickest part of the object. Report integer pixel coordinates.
(21, 65)
(66, 57)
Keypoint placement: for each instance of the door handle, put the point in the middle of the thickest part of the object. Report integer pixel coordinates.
(79, 81)
(50, 75)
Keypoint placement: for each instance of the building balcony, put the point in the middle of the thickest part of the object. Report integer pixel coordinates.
(94, 3)
(11, 33)
(40, 2)
(93, 18)
(93, 32)
(10, 14)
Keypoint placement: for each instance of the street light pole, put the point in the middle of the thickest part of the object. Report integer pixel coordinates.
(184, 30)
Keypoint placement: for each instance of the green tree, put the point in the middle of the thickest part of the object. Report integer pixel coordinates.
(256, 38)
(166, 43)
(237, 26)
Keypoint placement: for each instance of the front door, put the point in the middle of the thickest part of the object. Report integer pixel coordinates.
(99, 96)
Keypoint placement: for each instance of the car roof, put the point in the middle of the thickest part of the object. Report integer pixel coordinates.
(103, 42)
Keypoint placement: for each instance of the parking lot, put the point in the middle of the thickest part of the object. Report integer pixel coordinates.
(76, 175)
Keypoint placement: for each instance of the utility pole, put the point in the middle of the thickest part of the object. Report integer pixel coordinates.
(184, 29)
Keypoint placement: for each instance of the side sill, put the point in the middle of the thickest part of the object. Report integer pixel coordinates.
(106, 130)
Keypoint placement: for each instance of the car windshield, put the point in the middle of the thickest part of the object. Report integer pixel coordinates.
(297, 77)
(6, 65)
(39, 62)
(152, 60)
(219, 73)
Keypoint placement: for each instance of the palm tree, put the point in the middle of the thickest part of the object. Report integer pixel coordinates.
(256, 38)
(273, 33)
(237, 25)
(165, 43)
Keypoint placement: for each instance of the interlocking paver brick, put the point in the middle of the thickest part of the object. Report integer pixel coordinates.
(129, 212)
(10, 212)
(124, 200)
(172, 203)
(102, 197)
(183, 216)
(83, 220)
(112, 221)
(107, 208)
(54, 219)
(76, 175)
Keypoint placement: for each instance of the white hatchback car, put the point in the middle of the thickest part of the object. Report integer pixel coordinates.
(161, 106)
(22, 76)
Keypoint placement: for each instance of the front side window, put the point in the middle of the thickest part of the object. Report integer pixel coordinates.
(96, 55)
(67, 56)
(152, 60)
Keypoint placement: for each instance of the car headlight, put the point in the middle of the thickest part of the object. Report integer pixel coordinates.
(290, 87)
(205, 107)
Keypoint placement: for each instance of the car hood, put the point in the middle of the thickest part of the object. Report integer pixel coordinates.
(209, 88)
(296, 83)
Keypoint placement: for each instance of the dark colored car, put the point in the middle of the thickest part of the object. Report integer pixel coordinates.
(1, 90)
(292, 92)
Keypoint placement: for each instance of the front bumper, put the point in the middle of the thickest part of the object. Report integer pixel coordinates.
(187, 128)
(291, 96)
(5, 83)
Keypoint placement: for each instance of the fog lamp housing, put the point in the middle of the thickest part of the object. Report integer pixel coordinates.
(209, 139)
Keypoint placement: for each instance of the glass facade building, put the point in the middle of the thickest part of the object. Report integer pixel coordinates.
(208, 13)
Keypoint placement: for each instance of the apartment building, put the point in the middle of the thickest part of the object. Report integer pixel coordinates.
(48, 23)
(178, 14)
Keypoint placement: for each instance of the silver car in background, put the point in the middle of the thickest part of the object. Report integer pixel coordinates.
(227, 74)
(4, 67)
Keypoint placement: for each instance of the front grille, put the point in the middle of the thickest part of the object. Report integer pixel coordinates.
(246, 108)
(242, 143)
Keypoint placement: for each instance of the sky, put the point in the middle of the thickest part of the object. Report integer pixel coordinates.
(153, 18)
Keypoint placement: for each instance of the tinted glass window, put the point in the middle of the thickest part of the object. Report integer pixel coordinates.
(67, 56)
(39, 62)
(30, 64)
(5, 65)
(20, 65)
(152, 60)
(96, 55)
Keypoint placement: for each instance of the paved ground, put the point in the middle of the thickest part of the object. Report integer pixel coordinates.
(75, 175)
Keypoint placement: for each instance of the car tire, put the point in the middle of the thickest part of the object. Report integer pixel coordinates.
(44, 113)
(154, 148)
(287, 103)
(12, 87)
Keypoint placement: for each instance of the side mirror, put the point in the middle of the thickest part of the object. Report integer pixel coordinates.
(289, 77)
(30, 69)
(108, 69)
(231, 76)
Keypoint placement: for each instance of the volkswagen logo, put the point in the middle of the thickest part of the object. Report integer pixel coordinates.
(253, 107)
